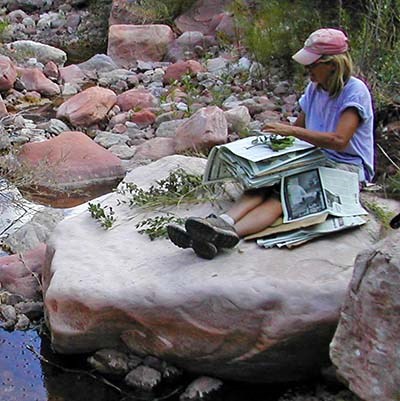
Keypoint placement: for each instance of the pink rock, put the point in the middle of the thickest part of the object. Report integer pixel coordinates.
(51, 70)
(365, 348)
(8, 73)
(35, 80)
(129, 43)
(3, 108)
(72, 74)
(16, 272)
(122, 12)
(120, 118)
(136, 99)
(200, 16)
(223, 25)
(88, 107)
(71, 164)
(155, 149)
(203, 130)
(268, 116)
(143, 118)
(177, 70)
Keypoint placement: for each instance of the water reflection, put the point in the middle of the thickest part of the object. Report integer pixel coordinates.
(24, 377)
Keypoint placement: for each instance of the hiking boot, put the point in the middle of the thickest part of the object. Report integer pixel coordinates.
(182, 239)
(212, 229)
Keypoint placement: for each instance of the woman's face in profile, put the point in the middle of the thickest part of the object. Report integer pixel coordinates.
(320, 72)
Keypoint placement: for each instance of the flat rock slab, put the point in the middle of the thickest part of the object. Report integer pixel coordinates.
(249, 314)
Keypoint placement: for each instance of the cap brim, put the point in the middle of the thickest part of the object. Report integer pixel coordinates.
(305, 57)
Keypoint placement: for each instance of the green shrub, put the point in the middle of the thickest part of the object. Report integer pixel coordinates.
(160, 11)
(274, 29)
(376, 47)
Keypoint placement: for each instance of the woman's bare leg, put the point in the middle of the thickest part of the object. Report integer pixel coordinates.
(247, 202)
(258, 218)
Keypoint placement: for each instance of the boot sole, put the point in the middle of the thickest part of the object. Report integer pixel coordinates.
(205, 250)
(200, 230)
(182, 239)
(179, 236)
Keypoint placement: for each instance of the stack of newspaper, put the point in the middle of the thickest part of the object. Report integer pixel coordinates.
(315, 200)
(255, 165)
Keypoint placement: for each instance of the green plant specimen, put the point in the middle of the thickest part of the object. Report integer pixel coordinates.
(274, 142)
(156, 227)
(103, 214)
(178, 187)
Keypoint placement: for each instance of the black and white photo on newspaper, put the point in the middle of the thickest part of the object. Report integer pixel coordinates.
(320, 190)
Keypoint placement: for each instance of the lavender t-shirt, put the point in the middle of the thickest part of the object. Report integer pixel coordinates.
(323, 112)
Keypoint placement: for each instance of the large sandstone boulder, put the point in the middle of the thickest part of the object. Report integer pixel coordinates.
(129, 43)
(249, 314)
(366, 346)
(88, 107)
(70, 167)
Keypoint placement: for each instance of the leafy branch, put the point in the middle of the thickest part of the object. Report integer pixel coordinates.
(106, 218)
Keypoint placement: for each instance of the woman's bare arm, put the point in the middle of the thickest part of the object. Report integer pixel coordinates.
(338, 140)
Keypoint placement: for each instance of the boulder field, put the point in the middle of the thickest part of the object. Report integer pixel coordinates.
(249, 314)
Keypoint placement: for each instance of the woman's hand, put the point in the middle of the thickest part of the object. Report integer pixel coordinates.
(279, 128)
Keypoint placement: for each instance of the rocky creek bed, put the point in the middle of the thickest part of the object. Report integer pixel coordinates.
(139, 112)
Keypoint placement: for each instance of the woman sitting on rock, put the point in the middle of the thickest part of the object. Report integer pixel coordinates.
(336, 115)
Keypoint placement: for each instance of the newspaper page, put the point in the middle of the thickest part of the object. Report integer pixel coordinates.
(299, 237)
(255, 152)
(320, 190)
(223, 163)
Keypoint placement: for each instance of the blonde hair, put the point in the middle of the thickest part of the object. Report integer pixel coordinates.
(342, 73)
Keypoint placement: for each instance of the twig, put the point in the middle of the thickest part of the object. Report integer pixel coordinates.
(388, 157)
(74, 371)
(101, 379)
(34, 274)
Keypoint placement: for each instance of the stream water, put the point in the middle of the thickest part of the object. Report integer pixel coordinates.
(30, 371)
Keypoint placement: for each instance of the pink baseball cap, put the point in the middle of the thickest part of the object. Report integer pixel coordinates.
(321, 42)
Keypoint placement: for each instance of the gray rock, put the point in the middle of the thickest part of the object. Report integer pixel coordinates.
(8, 312)
(33, 310)
(124, 152)
(22, 323)
(110, 361)
(35, 231)
(10, 299)
(201, 388)
(25, 49)
(108, 139)
(99, 63)
(143, 378)
(54, 126)
(134, 361)
(167, 129)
